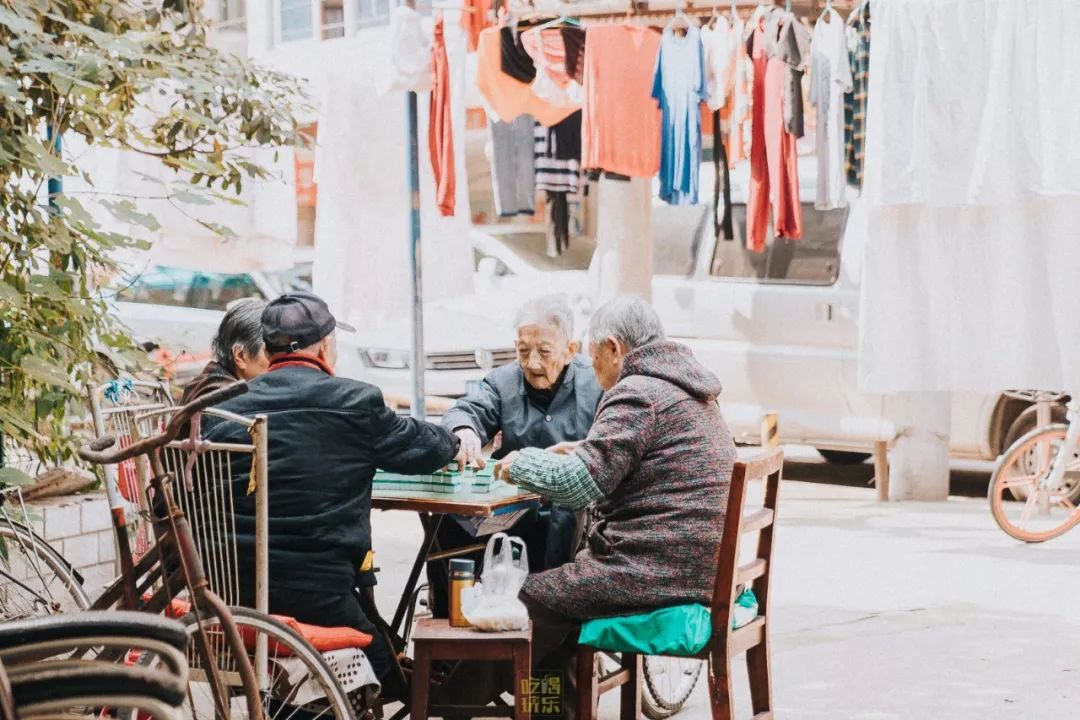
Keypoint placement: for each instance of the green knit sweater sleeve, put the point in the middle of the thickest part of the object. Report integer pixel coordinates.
(562, 478)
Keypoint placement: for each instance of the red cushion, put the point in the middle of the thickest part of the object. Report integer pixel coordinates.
(323, 639)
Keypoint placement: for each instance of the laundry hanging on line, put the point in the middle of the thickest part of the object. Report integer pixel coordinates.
(440, 125)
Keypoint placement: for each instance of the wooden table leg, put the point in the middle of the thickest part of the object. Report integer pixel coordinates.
(421, 683)
(881, 471)
(522, 671)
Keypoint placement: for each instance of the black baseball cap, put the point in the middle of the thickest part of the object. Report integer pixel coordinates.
(297, 320)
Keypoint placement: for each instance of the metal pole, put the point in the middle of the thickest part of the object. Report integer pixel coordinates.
(418, 359)
(56, 184)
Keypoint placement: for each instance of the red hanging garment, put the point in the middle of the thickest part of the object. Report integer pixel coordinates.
(774, 172)
(440, 125)
(474, 19)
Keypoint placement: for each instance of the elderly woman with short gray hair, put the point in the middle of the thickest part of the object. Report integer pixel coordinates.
(547, 397)
(656, 464)
(238, 351)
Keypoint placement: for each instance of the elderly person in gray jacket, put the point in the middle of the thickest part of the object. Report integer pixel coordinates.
(657, 464)
(547, 398)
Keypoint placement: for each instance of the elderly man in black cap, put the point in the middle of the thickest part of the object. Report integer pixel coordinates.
(327, 435)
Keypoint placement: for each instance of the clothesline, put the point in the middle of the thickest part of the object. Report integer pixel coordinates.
(620, 9)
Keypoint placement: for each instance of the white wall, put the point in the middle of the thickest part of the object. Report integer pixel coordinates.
(362, 217)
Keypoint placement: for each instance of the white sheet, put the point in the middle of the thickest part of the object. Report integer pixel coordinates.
(982, 298)
(973, 194)
(973, 102)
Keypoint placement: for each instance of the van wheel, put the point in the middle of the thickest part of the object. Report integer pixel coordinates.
(1026, 421)
(838, 457)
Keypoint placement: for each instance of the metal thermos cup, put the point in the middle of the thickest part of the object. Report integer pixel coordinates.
(462, 575)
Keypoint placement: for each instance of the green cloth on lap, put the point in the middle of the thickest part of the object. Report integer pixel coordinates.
(680, 630)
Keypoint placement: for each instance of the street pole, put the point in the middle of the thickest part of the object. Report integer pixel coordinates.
(418, 360)
(56, 184)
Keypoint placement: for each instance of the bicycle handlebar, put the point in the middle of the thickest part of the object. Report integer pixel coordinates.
(96, 452)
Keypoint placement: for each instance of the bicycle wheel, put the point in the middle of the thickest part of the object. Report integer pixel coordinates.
(669, 681)
(74, 688)
(1020, 506)
(297, 682)
(34, 578)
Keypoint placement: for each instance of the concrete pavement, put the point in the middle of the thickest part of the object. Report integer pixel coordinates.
(883, 611)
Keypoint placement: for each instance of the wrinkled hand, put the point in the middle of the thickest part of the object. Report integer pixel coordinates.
(564, 448)
(502, 467)
(471, 450)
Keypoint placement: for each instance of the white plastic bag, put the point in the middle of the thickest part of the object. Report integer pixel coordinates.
(492, 604)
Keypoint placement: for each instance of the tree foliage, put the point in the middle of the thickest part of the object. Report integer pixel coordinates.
(131, 75)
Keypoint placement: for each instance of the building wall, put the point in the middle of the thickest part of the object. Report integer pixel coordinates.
(362, 212)
(79, 527)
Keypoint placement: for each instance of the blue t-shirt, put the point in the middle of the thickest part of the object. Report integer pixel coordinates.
(679, 88)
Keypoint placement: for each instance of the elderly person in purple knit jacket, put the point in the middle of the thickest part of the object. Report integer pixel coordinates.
(656, 463)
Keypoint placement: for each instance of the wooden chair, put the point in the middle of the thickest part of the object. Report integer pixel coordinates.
(726, 643)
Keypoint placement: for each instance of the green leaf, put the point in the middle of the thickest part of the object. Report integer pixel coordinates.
(218, 229)
(17, 23)
(76, 212)
(9, 294)
(191, 198)
(126, 211)
(13, 476)
(44, 371)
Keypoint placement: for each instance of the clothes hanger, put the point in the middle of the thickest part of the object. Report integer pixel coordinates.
(561, 20)
(714, 17)
(826, 13)
(680, 21)
(854, 14)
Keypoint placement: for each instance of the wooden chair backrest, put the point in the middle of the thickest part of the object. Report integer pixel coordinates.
(730, 575)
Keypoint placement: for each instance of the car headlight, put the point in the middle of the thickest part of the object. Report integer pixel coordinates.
(386, 359)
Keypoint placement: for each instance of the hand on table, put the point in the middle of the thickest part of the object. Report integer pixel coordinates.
(564, 448)
(502, 467)
(470, 452)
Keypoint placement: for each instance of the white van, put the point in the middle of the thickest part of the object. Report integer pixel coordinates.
(780, 328)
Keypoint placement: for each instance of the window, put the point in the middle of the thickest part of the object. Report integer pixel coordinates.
(333, 19)
(295, 20)
(211, 291)
(158, 286)
(187, 288)
(372, 12)
(813, 260)
(676, 233)
(231, 15)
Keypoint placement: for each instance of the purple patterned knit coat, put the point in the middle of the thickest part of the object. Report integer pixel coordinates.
(662, 455)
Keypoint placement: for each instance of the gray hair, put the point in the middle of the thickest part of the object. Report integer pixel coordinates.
(629, 319)
(547, 310)
(242, 325)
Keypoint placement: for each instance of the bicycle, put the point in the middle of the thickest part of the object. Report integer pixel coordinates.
(173, 564)
(1034, 491)
(34, 578)
(64, 666)
(289, 670)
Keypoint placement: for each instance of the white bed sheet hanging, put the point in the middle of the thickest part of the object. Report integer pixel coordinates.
(973, 102)
(980, 298)
(973, 194)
